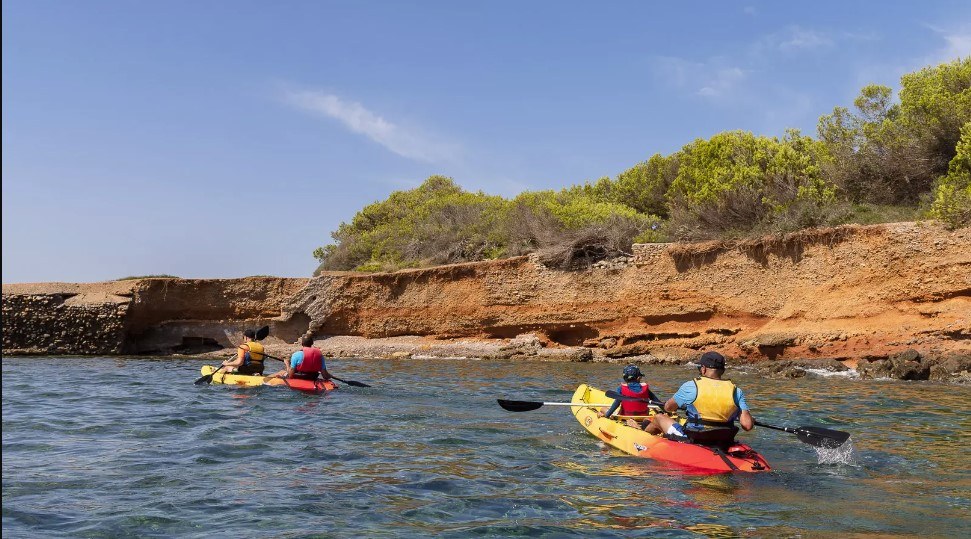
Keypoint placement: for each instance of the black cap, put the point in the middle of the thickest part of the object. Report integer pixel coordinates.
(249, 333)
(712, 360)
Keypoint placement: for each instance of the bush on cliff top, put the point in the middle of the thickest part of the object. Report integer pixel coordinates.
(875, 163)
(952, 193)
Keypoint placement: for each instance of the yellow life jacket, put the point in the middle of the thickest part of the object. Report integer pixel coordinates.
(716, 400)
(255, 351)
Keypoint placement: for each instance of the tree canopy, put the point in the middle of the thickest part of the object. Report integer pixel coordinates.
(886, 156)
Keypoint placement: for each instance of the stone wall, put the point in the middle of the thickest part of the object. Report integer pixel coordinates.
(53, 324)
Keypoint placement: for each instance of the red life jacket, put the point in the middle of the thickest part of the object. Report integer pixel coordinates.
(312, 360)
(634, 407)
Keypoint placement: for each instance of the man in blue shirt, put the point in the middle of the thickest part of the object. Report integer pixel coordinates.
(711, 405)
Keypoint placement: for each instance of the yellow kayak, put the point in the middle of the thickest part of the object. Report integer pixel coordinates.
(634, 441)
(246, 380)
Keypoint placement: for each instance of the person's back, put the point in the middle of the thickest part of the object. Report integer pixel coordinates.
(308, 362)
(249, 355)
(632, 387)
(711, 404)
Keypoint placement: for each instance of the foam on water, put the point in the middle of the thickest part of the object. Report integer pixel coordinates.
(837, 455)
(829, 374)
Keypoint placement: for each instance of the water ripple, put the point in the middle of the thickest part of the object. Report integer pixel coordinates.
(131, 448)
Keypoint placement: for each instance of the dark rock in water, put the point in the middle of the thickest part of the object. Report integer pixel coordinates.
(907, 365)
(951, 367)
(874, 368)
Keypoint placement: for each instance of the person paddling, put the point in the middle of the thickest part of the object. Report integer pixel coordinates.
(712, 406)
(306, 364)
(249, 355)
(632, 387)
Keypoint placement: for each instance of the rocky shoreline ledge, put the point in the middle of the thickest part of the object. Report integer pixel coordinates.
(947, 367)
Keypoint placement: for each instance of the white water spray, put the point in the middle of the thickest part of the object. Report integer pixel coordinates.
(836, 455)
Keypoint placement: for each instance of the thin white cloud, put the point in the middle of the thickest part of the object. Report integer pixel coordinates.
(708, 79)
(792, 40)
(802, 39)
(957, 44)
(722, 82)
(410, 143)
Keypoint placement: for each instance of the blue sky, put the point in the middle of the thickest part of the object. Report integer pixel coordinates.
(228, 138)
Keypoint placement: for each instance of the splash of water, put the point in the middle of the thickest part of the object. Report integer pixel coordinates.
(837, 455)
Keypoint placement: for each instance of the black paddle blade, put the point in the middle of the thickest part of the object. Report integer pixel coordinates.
(207, 379)
(262, 333)
(820, 437)
(519, 406)
(350, 382)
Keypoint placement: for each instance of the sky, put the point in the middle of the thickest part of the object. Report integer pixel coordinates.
(220, 139)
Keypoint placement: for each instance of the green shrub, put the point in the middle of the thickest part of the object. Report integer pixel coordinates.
(736, 184)
(952, 193)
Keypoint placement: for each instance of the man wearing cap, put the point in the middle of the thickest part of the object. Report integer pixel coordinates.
(711, 404)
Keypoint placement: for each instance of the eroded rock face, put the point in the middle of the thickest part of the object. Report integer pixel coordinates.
(848, 294)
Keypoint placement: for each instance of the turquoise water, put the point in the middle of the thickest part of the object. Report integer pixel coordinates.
(131, 448)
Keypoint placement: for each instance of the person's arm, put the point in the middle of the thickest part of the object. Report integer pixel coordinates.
(323, 368)
(240, 355)
(745, 419)
(685, 395)
(671, 405)
(652, 396)
(295, 360)
(613, 407)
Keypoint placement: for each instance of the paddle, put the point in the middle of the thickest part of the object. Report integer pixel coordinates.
(814, 436)
(526, 406)
(207, 378)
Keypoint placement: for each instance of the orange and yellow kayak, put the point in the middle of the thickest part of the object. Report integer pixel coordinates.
(245, 380)
(637, 442)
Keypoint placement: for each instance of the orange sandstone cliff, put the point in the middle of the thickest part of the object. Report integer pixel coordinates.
(848, 293)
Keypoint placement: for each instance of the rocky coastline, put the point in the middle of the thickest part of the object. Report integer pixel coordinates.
(889, 301)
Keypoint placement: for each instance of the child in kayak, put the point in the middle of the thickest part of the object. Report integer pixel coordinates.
(712, 406)
(632, 387)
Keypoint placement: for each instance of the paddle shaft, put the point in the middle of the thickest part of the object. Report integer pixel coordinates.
(790, 430)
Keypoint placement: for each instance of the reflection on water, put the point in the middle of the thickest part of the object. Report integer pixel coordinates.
(427, 452)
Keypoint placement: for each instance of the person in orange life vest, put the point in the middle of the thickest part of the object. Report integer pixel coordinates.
(249, 355)
(711, 404)
(306, 363)
(632, 387)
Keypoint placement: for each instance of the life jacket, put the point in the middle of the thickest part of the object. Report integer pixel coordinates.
(634, 407)
(715, 402)
(253, 354)
(312, 361)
